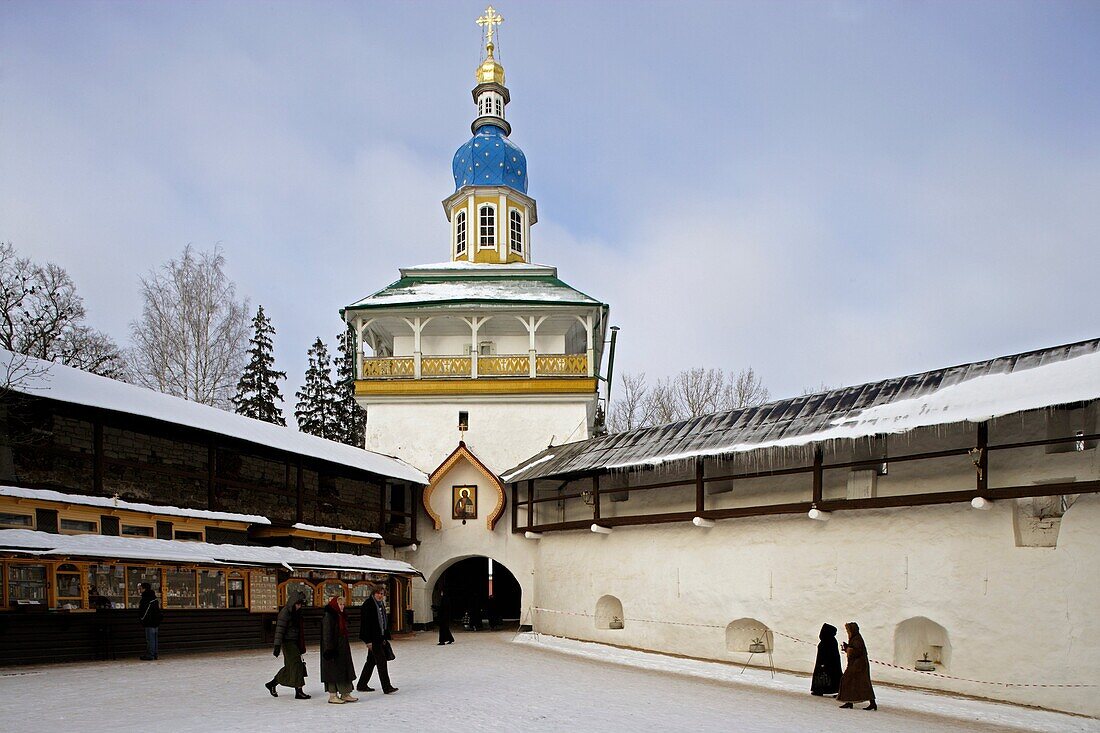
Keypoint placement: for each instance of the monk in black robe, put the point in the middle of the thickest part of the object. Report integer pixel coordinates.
(826, 679)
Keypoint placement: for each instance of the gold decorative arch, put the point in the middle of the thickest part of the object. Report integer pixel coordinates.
(458, 454)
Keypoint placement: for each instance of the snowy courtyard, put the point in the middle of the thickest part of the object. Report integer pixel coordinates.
(484, 682)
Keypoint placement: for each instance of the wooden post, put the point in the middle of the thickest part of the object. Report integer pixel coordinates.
(530, 503)
(982, 485)
(97, 459)
(596, 497)
(818, 478)
(413, 509)
(211, 475)
(515, 507)
(700, 494)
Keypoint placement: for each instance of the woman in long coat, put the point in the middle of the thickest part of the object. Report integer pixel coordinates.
(290, 639)
(855, 685)
(337, 667)
(445, 635)
(826, 679)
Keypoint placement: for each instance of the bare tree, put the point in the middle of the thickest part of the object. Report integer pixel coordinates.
(191, 339)
(43, 317)
(690, 393)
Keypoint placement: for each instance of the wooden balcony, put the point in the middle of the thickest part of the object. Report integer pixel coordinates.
(475, 367)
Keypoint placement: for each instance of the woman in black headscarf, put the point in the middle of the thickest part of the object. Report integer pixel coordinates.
(855, 685)
(826, 679)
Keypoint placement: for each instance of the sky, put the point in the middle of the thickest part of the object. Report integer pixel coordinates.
(828, 192)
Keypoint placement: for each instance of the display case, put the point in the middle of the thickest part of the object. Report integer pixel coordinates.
(333, 587)
(180, 588)
(263, 591)
(292, 586)
(26, 582)
(135, 576)
(236, 590)
(68, 595)
(108, 581)
(212, 589)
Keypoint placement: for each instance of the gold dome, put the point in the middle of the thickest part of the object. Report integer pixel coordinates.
(490, 70)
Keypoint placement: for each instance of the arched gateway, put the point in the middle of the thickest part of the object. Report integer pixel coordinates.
(481, 593)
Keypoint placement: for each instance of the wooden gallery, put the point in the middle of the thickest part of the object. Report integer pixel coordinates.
(104, 485)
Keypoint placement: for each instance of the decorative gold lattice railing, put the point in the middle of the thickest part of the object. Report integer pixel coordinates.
(504, 366)
(558, 365)
(388, 367)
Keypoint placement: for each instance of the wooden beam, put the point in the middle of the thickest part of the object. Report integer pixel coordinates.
(983, 460)
(530, 503)
(818, 478)
(700, 493)
(596, 497)
(515, 506)
(414, 507)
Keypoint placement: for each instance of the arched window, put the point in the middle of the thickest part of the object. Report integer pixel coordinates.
(499, 107)
(460, 232)
(487, 225)
(515, 231)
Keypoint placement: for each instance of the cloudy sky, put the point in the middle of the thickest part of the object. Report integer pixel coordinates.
(830, 192)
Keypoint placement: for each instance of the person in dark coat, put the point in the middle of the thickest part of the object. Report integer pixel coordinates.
(337, 667)
(855, 685)
(374, 629)
(290, 639)
(150, 616)
(826, 679)
(445, 635)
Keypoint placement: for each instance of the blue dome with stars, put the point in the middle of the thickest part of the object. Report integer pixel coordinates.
(490, 159)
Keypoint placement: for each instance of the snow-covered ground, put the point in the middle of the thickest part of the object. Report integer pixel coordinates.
(484, 682)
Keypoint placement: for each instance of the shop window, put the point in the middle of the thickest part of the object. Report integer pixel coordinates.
(180, 588)
(79, 526)
(487, 227)
(236, 590)
(26, 583)
(187, 535)
(212, 589)
(68, 586)
(21, 521)
(291, 587)
(330, 588)
(360, 592)
(460, 233)
(515, 231)
(136, 530)
(135, 576)
(108, 581)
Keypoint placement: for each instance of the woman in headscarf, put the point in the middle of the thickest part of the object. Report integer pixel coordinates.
(337, 668)
(855, 685)
(290, 639)
(826, 679)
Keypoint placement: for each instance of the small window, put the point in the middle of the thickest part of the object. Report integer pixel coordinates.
(79, 526)
(487, 222)
(515, 231)
(8, 519)
(463, 420)
(499, 108)
(136, 530)
(460, 233)
(188, 536)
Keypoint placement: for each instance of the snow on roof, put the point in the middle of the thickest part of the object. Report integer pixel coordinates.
(968, 393)
(474, 283)
(66, 384)
(132, 548)
(336, 530)
(101, 501)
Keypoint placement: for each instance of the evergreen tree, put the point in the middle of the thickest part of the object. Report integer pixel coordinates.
(258, 392)
(352, 419)
(316, 411)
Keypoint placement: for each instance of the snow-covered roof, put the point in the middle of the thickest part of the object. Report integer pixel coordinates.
(336, 530)
(471, 283)
(66, 384)
(968, 393)
(46, 544)
(133, 506)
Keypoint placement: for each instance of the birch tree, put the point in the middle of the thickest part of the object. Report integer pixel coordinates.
(190, 340)
(688, 394)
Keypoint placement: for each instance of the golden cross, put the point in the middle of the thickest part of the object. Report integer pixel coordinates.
(487, 21)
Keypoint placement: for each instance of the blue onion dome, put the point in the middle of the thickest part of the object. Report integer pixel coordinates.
(490, 159)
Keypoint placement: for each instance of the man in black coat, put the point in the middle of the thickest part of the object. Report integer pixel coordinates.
(149, 615)
(374, 629)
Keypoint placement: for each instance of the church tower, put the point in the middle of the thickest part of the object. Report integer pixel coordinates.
(470, 365)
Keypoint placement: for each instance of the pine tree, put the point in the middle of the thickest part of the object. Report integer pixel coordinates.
(351, 417)
(316, 408)
(258, 392)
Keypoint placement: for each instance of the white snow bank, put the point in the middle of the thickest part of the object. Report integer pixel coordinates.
(131, 548)
(974, 400)
(100, 501)
(336, 530)
(66, 384)
(889, 698)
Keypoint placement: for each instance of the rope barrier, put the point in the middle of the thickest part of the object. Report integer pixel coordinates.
(761, 627)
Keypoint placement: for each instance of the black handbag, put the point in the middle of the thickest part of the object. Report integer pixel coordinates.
(822, 680)
(390, 656)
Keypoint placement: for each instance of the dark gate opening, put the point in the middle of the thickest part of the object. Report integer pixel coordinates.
(473, 598)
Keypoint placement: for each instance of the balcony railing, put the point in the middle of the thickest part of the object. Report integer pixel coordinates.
(475, 367)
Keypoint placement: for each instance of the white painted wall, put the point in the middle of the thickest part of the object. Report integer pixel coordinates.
(1012, 614)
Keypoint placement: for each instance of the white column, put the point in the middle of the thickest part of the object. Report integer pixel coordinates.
(591, 349)
(474, 322)
(502, 229)
(416, 347)
(358, 348)
(472, 228)
(527, 256)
